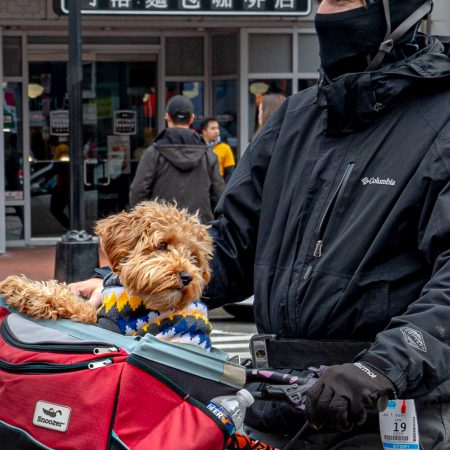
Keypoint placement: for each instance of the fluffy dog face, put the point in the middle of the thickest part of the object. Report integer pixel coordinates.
(160, 253)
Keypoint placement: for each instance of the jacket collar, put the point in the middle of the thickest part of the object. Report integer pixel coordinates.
(355, 100)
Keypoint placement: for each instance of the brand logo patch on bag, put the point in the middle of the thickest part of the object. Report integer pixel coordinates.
(51, 416)
(414, 338)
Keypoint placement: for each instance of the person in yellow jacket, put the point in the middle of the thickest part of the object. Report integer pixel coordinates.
(210, 130)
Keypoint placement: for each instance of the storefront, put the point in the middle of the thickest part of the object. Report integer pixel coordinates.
(136, 54)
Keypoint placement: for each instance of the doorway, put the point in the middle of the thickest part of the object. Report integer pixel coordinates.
(119, 122)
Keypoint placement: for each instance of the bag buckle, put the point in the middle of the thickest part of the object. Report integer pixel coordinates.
(259, 351)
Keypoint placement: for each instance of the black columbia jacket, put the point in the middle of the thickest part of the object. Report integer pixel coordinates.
(337, 218)
(179, 166)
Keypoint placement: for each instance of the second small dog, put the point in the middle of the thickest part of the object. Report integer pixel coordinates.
(159, 256)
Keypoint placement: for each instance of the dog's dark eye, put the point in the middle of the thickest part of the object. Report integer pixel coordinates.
(161, 246)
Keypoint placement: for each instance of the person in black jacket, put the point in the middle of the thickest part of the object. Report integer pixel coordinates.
(179, 166)
(337, 219)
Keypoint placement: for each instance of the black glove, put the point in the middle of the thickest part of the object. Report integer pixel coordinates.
(341, 397)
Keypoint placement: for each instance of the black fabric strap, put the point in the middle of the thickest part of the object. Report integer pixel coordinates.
(388, 43)
(300, 354)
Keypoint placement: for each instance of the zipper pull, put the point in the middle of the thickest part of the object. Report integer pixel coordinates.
(98, 364)
(318, 249)
(101, 350)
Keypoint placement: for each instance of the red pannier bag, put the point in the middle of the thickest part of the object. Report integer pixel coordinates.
(66, 385)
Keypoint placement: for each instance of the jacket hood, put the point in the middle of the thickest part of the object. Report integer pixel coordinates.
(357, 99)
(182, 147)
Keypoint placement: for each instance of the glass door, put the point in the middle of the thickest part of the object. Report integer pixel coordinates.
(119, 107)
(13, 151)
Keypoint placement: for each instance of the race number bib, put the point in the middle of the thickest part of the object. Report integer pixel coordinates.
(398, 425)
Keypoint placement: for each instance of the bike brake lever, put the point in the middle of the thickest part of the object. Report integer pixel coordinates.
(291, 393)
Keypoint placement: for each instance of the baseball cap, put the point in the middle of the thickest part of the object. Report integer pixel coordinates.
(180, 107)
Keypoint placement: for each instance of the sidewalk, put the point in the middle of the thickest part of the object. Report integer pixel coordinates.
(37, 262)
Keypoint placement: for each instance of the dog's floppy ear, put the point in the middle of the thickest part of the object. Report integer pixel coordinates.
(118, 235)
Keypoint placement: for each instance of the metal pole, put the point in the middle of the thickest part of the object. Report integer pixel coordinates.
(74, 79)
(77, 253)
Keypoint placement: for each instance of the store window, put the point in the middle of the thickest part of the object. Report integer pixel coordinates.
(306, 83)
(269, 53)
(13, 132)
(194, 90)
(119, 122)
(12, 56)
(259, 88)
(224, 86)
(184, 56)
(225, 110)
(224, 54)
(308, 53)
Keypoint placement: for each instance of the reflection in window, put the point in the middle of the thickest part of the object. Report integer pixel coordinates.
(12, 132)
(110, 153)
(192, 90)
(257, 89)
(225, 110)
(305, 84)
(12, 129)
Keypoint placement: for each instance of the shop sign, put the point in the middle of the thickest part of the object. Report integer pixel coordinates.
(59, 123)
(192, 7)
(124, 122)
(118, 155)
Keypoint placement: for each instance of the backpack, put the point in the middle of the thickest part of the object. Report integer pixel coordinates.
(68, 385)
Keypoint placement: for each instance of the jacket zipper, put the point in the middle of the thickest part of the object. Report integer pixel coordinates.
(51, 368)
(95, 348)
(327, 214)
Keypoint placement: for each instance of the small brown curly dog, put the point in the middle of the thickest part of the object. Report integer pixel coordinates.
(160, 253)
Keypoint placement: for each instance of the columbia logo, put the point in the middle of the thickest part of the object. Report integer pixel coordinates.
(387, 181)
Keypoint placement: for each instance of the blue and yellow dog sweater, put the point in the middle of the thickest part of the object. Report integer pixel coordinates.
(126, 314)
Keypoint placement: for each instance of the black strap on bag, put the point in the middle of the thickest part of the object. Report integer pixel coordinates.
(268, 351)
(300, 354)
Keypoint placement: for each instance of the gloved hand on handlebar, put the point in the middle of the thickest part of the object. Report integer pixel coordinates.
(341, 397)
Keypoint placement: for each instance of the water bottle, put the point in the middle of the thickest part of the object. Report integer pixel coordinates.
(230, 409)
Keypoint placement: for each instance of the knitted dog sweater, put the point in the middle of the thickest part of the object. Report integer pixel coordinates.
(128, 315)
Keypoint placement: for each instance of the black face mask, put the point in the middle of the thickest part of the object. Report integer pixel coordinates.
(349, 40)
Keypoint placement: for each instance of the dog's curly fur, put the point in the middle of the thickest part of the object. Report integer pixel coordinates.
(153, 248)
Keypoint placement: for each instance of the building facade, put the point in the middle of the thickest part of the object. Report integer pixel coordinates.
(136, 54)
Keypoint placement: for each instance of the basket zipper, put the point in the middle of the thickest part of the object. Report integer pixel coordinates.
(50, 368)
(95, 348)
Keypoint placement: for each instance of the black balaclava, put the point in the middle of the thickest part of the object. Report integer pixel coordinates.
(349, 40)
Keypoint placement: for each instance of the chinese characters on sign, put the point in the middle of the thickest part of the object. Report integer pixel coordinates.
(193, 7)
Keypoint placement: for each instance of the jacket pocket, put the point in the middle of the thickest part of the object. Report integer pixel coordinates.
(336, 307)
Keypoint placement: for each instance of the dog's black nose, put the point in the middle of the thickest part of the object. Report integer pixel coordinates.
(186, 278)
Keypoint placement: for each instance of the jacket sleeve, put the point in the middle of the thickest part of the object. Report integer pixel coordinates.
(141, 187)
(414, 350)
(217, 182)
(236, 226)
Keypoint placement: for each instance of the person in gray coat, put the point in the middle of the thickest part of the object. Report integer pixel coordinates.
(178, 166)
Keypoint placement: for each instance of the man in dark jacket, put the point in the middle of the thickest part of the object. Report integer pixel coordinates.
(337, 219)
(178, 166)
